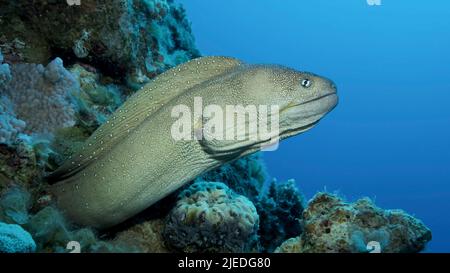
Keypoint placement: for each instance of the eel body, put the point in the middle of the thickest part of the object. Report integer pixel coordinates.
(133, 160)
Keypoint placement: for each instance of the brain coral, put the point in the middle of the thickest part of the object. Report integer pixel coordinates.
(331, 225)
(210, 217)
(41, 96)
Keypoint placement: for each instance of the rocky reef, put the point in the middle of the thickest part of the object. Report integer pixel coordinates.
(135, 39)
(64, 69)
(146, 237)
(334, 226)
(280, 211)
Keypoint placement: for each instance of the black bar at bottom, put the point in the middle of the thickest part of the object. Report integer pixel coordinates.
(220, 262)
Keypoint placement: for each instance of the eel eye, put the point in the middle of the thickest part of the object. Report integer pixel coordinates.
(306, 83)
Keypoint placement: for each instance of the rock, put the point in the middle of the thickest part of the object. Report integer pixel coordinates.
(137, 38)
(147, 237)
(18, 165)
(280, 212)
(331, 225)
(14, 206)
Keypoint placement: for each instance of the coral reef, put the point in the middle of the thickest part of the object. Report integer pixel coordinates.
(245, 176)
(5, 73)
(40, 96)
(52, 234)
(48, 227)
(137, 38)
(14, 206)
(280, 212)
(65, 143)
(210, 217)
(14, 239)
(147, 237)
(98, 97)
(46, 112)
(10, 125)
(331, 225)
(47, 100)
(18, 165)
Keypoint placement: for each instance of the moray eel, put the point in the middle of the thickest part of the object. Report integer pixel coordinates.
(133, 160)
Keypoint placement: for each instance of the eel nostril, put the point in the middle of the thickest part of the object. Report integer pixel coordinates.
(333, 85)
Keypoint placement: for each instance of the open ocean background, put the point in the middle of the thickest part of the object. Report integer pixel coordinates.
(389, 137)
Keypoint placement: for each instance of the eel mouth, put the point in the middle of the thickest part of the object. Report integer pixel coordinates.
(317, 107)
(294, 131)
(293, 105)
(300, 117)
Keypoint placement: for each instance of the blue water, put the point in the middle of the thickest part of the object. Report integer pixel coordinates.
(389, 137)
